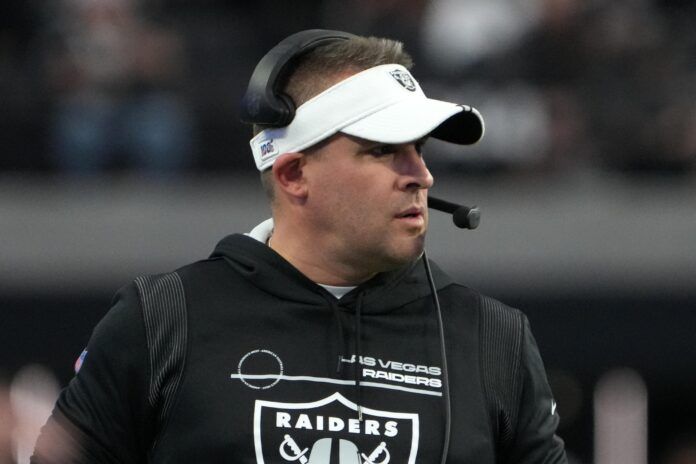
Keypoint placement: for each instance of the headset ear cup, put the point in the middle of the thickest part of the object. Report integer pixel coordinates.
(288, 110)
(262, 103)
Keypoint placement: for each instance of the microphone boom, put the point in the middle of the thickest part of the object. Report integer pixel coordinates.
(462, 216)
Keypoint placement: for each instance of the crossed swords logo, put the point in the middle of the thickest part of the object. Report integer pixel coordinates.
(299, 454)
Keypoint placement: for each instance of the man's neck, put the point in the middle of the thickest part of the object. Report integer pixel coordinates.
(311, 260)
(318, 270)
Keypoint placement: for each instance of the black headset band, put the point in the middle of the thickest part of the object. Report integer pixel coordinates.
(263, 103)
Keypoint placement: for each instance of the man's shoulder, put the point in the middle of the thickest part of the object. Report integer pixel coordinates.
(496, 321)
(170, 285)
(497, 310)
(214, 264)
(501, 327)
(488, 306)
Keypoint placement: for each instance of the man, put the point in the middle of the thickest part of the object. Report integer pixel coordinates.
(315, 338)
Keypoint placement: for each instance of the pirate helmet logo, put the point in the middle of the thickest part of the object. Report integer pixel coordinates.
(322, 449)
(404, 78)
(328, 432)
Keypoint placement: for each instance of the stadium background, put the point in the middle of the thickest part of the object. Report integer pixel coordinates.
(122, 154)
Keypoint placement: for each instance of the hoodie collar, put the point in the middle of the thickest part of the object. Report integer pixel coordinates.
(263, 231)
(270, 272)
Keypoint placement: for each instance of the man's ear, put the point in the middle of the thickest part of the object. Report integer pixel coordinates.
(288, 175)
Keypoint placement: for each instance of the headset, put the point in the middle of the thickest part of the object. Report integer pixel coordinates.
(264, 103)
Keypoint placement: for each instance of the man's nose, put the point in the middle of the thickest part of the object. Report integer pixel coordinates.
(414, 173)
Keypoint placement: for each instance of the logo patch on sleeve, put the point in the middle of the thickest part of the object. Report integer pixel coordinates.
(80, 360)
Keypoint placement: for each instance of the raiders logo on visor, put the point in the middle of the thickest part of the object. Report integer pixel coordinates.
(404, 79)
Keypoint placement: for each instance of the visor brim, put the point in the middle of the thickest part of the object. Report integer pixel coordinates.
(413, 119)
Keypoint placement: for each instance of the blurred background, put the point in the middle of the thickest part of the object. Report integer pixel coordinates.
(122, 154)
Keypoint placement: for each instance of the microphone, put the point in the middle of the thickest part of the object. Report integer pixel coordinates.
(462, 216)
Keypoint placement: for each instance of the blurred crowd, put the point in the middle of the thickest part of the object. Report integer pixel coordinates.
(154, 85)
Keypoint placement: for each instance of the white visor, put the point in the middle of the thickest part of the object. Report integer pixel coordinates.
(383, 104)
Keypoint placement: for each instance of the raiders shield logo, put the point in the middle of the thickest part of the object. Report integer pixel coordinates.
(328, 432)
(404, 79)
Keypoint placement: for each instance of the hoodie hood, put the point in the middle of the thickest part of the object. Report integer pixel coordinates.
(270, 272)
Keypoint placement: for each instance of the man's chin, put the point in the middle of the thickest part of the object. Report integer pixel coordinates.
(406, 254)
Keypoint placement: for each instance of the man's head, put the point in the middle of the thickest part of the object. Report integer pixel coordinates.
(346, 177)
(324, 66)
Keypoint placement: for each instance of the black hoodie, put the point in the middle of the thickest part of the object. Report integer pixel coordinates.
(241, 358)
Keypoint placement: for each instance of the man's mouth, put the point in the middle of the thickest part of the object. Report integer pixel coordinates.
(411, 213)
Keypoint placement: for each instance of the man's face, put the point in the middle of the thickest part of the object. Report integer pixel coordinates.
(367, 201)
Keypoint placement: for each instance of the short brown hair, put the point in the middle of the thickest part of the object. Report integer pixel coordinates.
(318, 70)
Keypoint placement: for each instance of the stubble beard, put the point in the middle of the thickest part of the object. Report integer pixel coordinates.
(388, 256)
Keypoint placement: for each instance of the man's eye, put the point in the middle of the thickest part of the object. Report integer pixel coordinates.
(382, 150)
